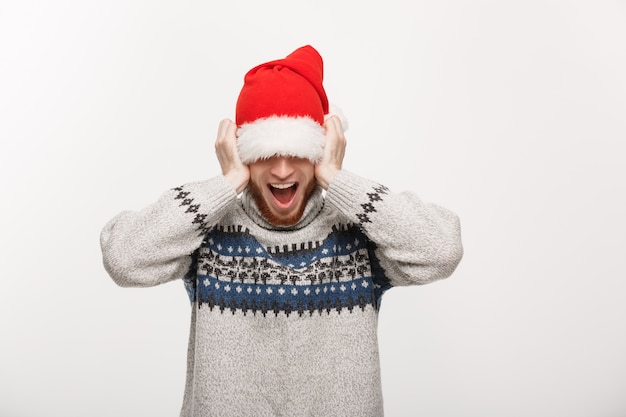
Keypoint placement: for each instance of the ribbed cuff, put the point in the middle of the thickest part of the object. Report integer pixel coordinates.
(348, 192)
(205, 202)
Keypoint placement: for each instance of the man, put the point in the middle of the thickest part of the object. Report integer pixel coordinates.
(285, 256)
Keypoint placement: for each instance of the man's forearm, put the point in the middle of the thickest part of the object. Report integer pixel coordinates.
(416, 242)
(153, 245)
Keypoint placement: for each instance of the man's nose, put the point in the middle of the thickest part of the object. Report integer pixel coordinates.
(282, 167)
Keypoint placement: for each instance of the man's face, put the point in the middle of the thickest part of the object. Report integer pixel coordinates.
(281, 187)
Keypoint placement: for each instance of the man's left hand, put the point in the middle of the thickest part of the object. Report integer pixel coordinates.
(334, 151)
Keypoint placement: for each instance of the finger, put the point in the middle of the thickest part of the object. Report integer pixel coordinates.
(231, 130)
(330, 124)
(225, 134)
(334, 122)
(224, 128)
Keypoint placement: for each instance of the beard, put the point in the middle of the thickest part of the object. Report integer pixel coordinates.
(271, 217)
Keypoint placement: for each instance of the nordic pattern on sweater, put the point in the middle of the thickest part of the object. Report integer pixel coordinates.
(235, 273)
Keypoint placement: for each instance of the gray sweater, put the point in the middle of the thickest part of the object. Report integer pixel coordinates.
(284, 319)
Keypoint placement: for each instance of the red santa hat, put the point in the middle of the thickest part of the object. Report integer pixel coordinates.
(281, 108)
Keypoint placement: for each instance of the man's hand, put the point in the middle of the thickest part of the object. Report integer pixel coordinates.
(334, 151)
(235, 172)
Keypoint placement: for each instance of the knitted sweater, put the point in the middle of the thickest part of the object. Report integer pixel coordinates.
(284, 319)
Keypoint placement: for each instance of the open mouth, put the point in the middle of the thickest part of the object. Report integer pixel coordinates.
(283, 193)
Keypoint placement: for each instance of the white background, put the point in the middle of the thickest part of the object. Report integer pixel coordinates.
(512, 114)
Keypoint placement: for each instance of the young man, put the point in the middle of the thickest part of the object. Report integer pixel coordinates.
(285, 256)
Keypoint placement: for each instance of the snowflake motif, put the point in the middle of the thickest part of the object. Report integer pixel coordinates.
(239, 250)
(294, 291)
(342, 288)
(258, 290)
(325, 290)
(363, 218)
(348, 246)
(249, 290)
(227, 288)
(259, 250)
(356, 242)
(219, 246)
(193, 208)
(238, 289)
(381, 189)
(368, 207)
(230, 249)
(353, 286)
(302, 263)
(281, 291)
(199, 219)
(317, 291)
(248, 249)
(206, 282)
(374, 197)
(364, 284)
(269, 291)
(325, 251)
(332, 288)
(217, 285)
(307, 291)
(211, 241)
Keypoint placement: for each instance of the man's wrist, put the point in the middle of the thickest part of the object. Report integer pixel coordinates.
(238, 180)
(326, 175)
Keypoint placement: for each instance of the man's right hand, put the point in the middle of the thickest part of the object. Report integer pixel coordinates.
(235, 171)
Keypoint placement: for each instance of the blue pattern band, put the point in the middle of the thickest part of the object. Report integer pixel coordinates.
(233, 272)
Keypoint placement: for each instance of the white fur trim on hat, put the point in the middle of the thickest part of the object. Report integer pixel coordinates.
(299, 137)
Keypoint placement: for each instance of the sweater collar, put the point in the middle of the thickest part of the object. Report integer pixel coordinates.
(311, 210)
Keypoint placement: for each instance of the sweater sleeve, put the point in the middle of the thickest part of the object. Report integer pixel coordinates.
(154, 245)
(416, 243)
